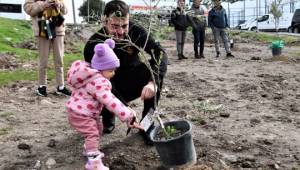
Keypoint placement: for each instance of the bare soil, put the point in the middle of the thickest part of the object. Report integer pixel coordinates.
(257, 125)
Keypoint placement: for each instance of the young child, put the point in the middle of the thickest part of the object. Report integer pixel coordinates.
(217, 20)
(91, 92)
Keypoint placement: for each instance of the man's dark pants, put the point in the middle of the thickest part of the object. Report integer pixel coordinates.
(199, 38)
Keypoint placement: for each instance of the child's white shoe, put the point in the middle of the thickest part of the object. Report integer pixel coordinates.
(85, 153)
(95, 163)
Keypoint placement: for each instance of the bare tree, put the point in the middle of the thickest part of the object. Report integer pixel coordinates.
(276, 12)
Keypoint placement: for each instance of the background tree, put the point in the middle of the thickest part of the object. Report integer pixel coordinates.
(276, 12)
(91, 10)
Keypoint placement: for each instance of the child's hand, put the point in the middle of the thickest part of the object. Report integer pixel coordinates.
(132, 123)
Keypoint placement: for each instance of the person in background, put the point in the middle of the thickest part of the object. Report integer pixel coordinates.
(179, 20)
(91, 92)
(217, 20)
(44, 14)
(199, 22)
(133, 78)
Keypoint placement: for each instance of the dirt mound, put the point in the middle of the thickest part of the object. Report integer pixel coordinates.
(8, 61)
(256, 125)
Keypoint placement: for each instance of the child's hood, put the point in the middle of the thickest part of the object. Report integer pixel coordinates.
(80, 73)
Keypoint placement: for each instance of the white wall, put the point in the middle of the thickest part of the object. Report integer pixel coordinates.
(24, 16)
(21, 15)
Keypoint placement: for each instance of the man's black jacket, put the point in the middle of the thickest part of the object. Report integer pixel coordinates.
(127, 53)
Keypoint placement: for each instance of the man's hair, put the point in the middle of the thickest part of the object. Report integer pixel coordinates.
(119, 7)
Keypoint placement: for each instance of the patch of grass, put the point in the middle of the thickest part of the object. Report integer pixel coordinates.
(206, 106)
(15, 31)
(22, 54)
(6, 114)
(267, 37)
(7, 77)
(69, 58)
(5, 131)
(162, 33)
(199, 120)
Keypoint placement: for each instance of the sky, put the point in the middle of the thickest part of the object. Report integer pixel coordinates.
(69, 16)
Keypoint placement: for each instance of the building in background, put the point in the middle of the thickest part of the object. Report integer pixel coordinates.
(12, 9)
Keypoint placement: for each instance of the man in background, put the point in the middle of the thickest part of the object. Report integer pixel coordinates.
(198, 21)
(217, 20)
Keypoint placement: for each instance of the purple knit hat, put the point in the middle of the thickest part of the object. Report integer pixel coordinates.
(104, 57)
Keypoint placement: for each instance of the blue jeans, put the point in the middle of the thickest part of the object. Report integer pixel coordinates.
(220, 33)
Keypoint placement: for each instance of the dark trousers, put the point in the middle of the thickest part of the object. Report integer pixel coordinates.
(127, 85)
(199, 38)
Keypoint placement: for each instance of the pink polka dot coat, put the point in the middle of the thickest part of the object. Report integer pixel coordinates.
(91, 92)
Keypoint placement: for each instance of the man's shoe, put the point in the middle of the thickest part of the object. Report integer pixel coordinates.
(201, 56)
(197, 56)
(229, 55)
(64, 91)
(218, 55)
(183, 57)
(179, 57)
(42, 91)
(108, 130)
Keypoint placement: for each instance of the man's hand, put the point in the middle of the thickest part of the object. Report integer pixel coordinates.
(57, 4)
(148, 91)
(49, 3)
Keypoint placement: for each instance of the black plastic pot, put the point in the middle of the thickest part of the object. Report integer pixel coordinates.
(276, 51)
(178, 151)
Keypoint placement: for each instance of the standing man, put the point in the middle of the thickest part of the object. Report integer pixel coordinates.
(198, 22)
(217, 20)
(44, 13)
(179, 20)
(133, 78)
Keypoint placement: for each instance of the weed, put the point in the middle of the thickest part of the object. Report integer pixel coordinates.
(5, 131)
(6, 114)
(199, 120)
(206, 106)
